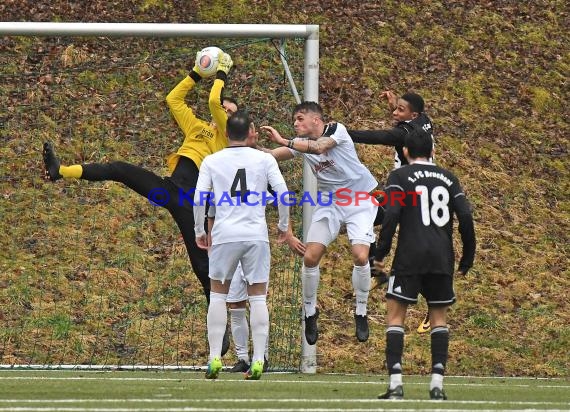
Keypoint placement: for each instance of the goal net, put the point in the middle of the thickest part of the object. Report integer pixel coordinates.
(93, 275)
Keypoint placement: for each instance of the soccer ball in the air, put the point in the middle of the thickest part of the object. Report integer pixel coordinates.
(207, 61)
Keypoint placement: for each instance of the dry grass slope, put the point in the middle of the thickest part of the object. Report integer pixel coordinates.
(495, 78)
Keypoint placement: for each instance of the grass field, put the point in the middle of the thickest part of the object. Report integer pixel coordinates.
(189, 391)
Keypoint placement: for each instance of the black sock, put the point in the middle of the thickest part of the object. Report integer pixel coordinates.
(394, 349)
(439, 349)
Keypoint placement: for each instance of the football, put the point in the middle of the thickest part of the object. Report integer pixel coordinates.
(207, 61)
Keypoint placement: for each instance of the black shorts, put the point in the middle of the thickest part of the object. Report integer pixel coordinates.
(436, 289)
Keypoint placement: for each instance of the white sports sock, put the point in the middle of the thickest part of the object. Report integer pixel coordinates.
(436, 381)
(240, 332)
(361, 285)
(310, 278)
(217, 320)
(395, 380)
(259, 324)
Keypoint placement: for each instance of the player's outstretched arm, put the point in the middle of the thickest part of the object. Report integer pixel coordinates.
(280, 153)
(274, 136)
(388, 137)
(391, 98)
(319, 146)
(176, 102)
(215, 100)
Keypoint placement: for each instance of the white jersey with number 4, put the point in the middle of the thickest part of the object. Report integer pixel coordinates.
(237, 175)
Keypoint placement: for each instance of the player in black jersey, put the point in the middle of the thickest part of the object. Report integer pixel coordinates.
(422, 199)
(408, 113)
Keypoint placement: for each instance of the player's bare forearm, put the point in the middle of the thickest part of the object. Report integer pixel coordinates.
(263, 149)
(320, 146)
(281, 153)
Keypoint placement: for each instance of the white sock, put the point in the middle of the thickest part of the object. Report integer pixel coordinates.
(436, 381)
(310, 278)
(395, 380)
(259, 324)
(240, 332)
(361, 285)
(216, 321)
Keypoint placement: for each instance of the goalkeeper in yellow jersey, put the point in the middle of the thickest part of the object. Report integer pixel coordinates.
(174, 193)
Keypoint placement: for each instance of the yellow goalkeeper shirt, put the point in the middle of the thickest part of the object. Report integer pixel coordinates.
(200, 137)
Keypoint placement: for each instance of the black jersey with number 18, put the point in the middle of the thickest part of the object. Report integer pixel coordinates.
(423, 198)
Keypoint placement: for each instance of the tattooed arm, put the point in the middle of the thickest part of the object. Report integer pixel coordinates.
(318, 146)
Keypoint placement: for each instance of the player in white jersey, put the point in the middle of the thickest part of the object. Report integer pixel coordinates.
(235, 178)
(343, 184)
(237, 303)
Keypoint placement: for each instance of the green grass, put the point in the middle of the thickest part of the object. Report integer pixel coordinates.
(187, 391)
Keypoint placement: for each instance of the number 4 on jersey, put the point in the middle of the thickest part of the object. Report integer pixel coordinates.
(240, 181)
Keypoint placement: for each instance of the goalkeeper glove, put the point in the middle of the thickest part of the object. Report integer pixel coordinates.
(195, 72)
(225, 63)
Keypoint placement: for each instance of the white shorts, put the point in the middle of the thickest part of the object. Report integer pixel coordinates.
(359, 220)
(238, 287)
(254, 257)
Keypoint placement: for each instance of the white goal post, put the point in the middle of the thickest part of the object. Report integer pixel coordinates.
(277, 31)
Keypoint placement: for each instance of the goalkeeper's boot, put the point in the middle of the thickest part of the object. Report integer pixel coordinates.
(226, 342)
(311, 328)
(424, 325)
(396, 393)
(254, 372)
(437, 394)
(51, 163)
(361, 322)
(214, 368)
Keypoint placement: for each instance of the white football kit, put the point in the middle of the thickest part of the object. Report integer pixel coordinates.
(238, 178)
(238, 286)
(342, 182)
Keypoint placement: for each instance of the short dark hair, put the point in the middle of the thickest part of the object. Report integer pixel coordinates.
(231, 100)
(419, 143)
(415, 101)
(238, 125)
(305, 107)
